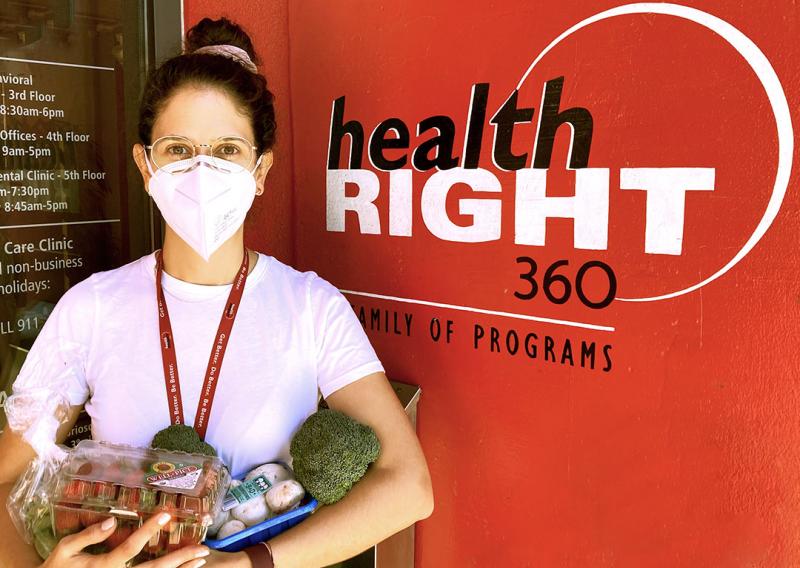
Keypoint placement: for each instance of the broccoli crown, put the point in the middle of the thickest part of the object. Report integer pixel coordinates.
(330, 452)
(180, 437)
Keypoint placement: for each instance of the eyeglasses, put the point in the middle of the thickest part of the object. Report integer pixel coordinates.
(176, 154)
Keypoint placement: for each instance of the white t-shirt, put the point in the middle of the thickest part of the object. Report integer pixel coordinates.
(295, 337)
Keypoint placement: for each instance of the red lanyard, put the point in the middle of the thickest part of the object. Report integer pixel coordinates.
(217, 351)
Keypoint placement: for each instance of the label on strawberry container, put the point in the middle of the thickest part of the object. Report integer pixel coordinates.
(175, 475)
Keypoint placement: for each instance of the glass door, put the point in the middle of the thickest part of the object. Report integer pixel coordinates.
(71, 199)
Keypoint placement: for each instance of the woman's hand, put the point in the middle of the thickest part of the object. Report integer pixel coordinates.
(69, 553)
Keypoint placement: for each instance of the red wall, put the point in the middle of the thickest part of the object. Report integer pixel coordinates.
(269, 224)
(685, 452)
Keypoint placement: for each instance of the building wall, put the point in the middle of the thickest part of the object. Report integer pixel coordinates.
(678, 445)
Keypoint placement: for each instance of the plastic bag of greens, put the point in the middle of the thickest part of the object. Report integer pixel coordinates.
(29, 502)
(39, 404)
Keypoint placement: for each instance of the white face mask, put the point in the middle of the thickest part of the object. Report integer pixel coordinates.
(205, 206)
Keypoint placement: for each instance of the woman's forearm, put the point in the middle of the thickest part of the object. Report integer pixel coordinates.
(381, 504)
(14, 552)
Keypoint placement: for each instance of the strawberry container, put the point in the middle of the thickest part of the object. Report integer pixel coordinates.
(100, 479)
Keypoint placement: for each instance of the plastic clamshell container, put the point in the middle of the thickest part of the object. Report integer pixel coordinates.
(100, 479)
(265, 530)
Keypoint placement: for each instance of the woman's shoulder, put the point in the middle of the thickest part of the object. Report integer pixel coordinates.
(277, 269)
(113, 280)
(306, 281)
(81, 300)
(125, 274)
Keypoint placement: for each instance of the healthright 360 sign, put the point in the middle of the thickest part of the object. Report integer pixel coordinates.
(635, 157)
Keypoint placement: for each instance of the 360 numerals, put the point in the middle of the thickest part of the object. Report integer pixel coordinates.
(558, 287)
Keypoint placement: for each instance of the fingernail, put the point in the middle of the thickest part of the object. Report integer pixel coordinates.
(201, 553)
(163, 519)
(107, 524)
(199, 563)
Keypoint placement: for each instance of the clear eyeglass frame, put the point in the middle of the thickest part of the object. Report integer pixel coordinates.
(191, 162)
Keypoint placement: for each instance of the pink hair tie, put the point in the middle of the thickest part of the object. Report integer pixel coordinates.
(231, 52)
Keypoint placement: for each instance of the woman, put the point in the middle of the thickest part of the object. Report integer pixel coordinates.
(207, 129)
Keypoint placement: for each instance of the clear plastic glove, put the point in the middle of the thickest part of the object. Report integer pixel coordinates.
(40, 398)
(35, 410)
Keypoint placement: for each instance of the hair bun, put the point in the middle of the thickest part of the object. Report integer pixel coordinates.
(218, 32)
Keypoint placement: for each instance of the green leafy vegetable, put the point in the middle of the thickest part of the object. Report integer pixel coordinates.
(330, 452)
(182, 438)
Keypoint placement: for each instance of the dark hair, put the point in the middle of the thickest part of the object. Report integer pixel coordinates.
(249, 90)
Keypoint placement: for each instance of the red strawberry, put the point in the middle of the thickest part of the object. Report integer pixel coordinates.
(113, 473)
(66, 520)
(85, 469)
(157, 544)
(190, 534)
(91, 514)
(103, 491)
(124, 530)
(167, 502)
(190, 503)
(130, 472)
(147, 499)
(181, 533)
(75, 490)
(129, 498)
(173, 542)
(211, 480)
(133, 478)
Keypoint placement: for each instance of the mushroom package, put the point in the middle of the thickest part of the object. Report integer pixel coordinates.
(265, 492)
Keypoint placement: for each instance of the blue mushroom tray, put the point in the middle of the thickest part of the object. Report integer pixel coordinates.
(265, 530)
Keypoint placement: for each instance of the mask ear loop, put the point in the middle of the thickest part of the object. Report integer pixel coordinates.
(253, 171)
(149, 169)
